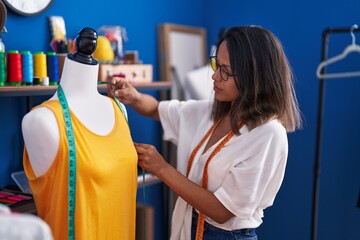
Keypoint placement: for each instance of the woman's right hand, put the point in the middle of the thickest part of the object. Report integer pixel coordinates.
(126, 93)
(123, 90)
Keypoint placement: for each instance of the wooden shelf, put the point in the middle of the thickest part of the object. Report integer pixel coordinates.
(18, 91)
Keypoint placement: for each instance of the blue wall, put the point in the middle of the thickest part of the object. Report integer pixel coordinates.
(141, 19)
(299, 26)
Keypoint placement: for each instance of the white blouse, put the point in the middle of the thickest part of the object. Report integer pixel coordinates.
(245, 175)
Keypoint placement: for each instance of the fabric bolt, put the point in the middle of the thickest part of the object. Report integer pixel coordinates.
(245, 175)
(106, 181)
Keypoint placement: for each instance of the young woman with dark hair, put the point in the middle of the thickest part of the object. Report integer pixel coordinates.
(231, 150)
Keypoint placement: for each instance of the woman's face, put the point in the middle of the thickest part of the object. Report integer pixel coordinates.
(225, 90)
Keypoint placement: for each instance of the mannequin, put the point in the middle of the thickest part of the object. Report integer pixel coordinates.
(39, 126)
(97, 119)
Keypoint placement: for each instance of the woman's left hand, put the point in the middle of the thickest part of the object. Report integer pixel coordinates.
(150, 159)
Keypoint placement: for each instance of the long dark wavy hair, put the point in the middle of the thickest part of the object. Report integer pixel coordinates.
(263, 78)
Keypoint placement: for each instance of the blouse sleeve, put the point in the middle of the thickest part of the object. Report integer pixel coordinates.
(169, 112)
(182, 117)
(257, 171)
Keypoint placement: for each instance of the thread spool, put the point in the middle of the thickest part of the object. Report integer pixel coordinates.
(45, 81)
(27, 67)
(52, 68)
(14, 68)
(40, 66)
(2, 69)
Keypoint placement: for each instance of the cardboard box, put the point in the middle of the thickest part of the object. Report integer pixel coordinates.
(135, 73)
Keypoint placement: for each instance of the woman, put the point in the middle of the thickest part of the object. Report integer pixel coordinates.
(232, 150)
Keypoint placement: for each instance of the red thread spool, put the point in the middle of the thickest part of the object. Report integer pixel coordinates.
(14, 68)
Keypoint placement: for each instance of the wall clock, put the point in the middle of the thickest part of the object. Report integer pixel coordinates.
(28, 7)
(2, 16)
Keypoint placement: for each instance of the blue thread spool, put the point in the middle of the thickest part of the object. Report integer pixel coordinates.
(52, 68)
(27, 67)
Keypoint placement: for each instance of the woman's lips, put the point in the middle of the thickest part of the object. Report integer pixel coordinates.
(217, 89)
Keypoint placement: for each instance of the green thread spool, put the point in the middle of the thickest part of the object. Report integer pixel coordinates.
(2, 69)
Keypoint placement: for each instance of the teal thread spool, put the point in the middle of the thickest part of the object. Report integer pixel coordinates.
(27, 67)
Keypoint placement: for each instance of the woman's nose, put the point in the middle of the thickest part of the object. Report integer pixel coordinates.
(216, 75)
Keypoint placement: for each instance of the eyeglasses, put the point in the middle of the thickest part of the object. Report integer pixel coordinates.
(224, 73)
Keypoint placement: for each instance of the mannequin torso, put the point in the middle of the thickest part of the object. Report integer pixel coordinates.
(95, 111)
(105, 160)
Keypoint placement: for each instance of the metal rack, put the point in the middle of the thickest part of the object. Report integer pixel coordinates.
(320, 113)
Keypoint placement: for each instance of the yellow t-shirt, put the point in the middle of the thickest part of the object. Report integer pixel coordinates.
(106, 182)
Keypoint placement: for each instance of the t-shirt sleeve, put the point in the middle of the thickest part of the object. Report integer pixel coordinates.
(257, 173)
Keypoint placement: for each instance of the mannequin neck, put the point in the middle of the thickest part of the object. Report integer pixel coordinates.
(78, 79)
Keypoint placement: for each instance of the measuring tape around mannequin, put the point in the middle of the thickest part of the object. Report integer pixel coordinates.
(72, 161)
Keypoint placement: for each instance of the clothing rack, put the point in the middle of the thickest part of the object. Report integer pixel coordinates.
(324, 50)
